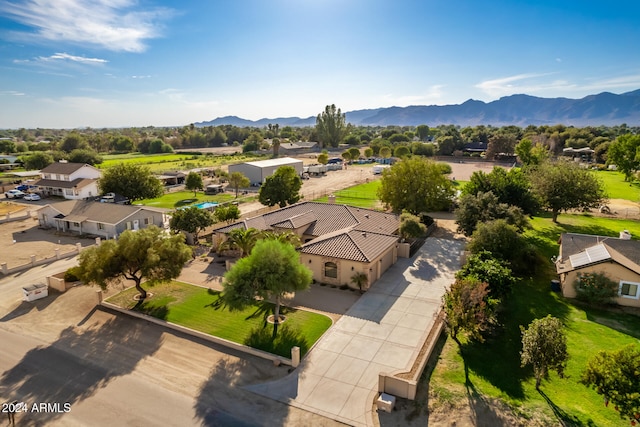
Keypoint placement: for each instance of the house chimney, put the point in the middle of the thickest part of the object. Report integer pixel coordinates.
(332, 199)
(625, 235)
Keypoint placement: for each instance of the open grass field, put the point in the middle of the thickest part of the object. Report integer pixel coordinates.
(200, 309)
(177, 199)
(175, 161)
(618, 188)
(362, 195)
(493, 368)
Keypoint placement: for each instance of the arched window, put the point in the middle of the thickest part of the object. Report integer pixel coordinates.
(331, 270)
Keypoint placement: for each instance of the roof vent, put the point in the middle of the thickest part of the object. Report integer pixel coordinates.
(366, 216)
(625, 235)
(364, 234)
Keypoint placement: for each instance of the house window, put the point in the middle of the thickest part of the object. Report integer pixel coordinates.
(76, 224)
(331, 270)
(148, 221)
(100, 226)
(129, 225)
(68, 192)
(629, 290)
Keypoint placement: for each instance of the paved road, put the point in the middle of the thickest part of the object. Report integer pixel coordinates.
(114, 370)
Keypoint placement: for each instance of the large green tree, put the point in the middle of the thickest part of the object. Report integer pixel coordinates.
(616, 376)
(415, 185)
(39, 160)
(272, 270)
(227, 213)
(87, 156)
(512, 187)
(564, 185)
(331, 126)
(484, 207)
(148, 254)
(191, 220)
(132, 181)
(238, 180)
(193, 182)
(494, 272)
(544, 346)
(624, 152)
(282, 188)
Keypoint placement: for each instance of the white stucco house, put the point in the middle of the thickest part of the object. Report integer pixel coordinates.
(74, 181)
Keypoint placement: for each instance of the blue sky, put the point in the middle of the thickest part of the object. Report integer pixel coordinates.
(117, 63)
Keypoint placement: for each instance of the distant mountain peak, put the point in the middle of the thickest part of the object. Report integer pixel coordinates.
(605, 108)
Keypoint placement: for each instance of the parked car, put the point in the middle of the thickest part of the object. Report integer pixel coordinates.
(32, 197)
(14, 194)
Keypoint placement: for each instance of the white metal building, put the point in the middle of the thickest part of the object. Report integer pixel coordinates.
(257, 172)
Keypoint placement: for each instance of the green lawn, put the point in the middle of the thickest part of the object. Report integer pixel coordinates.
(617, 188)
(494, 367)
(362, 195)
(199, 308)
(184, 198)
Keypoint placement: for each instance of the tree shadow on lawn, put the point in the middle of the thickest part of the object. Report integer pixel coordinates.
(78, 364)
(497, 360)
(278, 340)
(565, 419)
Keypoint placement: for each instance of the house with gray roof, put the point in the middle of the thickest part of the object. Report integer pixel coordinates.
(338, 240)
(106, 220)
(616, 257)
(73, 181)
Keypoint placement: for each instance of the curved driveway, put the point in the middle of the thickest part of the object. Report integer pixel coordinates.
(382, 332)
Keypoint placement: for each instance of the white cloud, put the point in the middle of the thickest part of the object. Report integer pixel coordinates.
(12, 93)
(73, 58)
(110, 24)
(433, 94)
(535, 83)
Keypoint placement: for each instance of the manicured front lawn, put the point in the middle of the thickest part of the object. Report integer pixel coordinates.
(493, 367)
(200, 309)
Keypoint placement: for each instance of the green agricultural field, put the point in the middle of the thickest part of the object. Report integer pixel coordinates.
(175, 161)
(177, 199)
(618, 188)
(200, 309)
(493, 368)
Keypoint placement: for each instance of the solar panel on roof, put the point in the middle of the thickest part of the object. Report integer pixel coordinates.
(590, 255)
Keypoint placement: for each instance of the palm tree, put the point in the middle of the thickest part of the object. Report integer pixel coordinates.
(241, 239)
(275, 144)
(283, 237)
(359, 279)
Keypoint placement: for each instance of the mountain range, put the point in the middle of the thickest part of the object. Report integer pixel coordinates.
(605, 108)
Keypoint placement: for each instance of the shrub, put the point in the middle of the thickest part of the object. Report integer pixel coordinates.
(595, 288)
(71, 275)
(485, 268)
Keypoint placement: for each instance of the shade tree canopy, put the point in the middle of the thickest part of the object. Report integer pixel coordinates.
(148, 254)
(469, 309)
(132, 181)
(238, 180)
(191, 220)
(282, 188)
(193, 182)
(484, 207)
(544, 347)
(272, 270)
(563, 185)
(415, 185)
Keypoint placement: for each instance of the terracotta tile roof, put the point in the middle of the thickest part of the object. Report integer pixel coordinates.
(352, 245)
(341, 231)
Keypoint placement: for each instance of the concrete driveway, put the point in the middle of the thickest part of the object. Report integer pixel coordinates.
(382, 332)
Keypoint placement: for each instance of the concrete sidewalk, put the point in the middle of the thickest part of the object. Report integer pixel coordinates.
(382, 332)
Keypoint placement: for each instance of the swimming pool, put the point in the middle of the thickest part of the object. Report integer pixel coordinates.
(206, 205)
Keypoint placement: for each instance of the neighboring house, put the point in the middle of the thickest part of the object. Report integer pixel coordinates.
(106, 220)
(338, 240)
(258, 171)
(74, 181)
(172, 178)
(617, 258)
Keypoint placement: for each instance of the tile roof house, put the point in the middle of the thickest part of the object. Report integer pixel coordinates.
(338, 240)
(106, 220)
(617, 258)
(74, 181)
